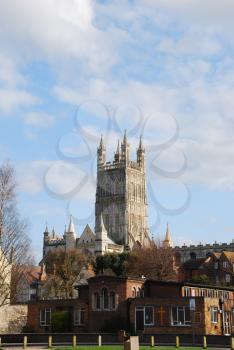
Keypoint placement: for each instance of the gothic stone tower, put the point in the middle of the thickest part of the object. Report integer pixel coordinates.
(121, 195)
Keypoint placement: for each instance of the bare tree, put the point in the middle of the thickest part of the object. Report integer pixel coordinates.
(14, 242)
(63, 269)
(153, 262)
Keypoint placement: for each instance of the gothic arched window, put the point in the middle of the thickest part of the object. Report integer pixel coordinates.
(134, 293)
(105, 299)
(97, 301)
(112, 300)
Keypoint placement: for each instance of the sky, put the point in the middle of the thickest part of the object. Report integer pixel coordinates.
(71, 70)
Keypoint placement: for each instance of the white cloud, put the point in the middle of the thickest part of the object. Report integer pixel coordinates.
(9, 73)
(30, 176)
(58, 178)
(38, 119)
(11, 99)
(211, 13)
(61, 32)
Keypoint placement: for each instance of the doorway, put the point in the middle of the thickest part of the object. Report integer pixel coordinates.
(139, 322)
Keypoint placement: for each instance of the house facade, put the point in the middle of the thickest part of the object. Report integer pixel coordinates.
(217, 268)
(108, 304)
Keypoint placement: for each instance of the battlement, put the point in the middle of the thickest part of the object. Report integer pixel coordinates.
(118, 165)
(206, 246)
(55, 242)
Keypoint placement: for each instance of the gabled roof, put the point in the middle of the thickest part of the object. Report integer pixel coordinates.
(87, 235)
(229, 256)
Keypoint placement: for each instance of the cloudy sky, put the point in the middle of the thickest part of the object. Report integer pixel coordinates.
(73, 69)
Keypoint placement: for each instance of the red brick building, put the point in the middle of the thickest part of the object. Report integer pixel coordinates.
(113, 303)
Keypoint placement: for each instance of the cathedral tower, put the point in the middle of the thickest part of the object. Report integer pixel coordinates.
(121, 195)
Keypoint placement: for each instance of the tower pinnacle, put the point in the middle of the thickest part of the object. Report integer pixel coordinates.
(141, 154)
(167, 241)
(101, 154)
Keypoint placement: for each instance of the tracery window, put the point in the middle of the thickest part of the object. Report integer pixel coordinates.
(112, 300)
(105, 299)
(97, 301)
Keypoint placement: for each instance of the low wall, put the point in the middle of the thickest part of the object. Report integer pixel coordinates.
(109, 338)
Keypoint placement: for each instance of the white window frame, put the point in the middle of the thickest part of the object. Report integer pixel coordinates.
(150, 323)
(214, 314)
(177, 323)
(43, 317)
(77, 316)
(143, 308)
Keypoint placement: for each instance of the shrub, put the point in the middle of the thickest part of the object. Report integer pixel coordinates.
(61, 322)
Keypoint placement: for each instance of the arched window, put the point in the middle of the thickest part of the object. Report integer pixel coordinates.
(138, 292)
(142, 293)
(112, 300)
(105, 299)
(134, 292)
(97, 301)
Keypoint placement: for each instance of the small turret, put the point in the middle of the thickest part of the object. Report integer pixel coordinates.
(141, 154)
(101, 240)
(167, 243)
(70, 235)
(101, 154)
(53, 233)
(71, 226)
(46, 233)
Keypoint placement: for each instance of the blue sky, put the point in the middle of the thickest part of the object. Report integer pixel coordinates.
(71, 70)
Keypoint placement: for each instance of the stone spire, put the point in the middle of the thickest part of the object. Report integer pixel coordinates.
(102, 229)
(167, 243)
(71, 226)
(46, 229)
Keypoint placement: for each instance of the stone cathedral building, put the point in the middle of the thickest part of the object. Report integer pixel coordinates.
(121, 211)
(120, 208)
